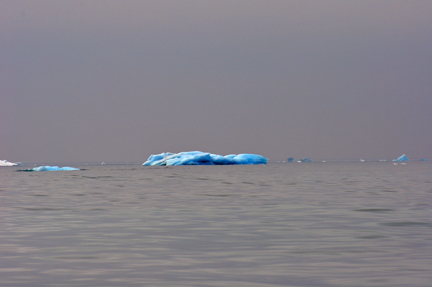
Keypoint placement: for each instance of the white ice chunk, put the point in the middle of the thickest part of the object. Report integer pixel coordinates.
(7, 163)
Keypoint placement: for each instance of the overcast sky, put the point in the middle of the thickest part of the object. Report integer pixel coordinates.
(116, 81)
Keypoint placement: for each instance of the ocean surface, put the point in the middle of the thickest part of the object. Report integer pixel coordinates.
(282, 224)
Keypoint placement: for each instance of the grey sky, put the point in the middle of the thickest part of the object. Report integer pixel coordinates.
(120, 80)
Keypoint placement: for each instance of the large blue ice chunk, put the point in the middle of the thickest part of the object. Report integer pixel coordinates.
(52, 168)
(203, 158)
(402, 158)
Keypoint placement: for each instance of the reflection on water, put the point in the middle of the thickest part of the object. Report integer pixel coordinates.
(332, 224)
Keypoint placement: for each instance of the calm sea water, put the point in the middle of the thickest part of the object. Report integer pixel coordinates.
(308, 224)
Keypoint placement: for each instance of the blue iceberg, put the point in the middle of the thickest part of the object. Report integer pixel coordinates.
(402, 158)
(202, 158)
(50, 168)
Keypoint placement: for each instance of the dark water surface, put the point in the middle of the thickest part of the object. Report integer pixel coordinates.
(308, 224)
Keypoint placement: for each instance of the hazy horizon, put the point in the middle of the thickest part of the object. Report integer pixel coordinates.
(93, 81)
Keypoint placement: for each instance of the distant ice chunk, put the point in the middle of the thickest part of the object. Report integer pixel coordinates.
(307, 159)
(7, 163)
(51, 168)
(202, 158)
(290, 159)
(402, 158)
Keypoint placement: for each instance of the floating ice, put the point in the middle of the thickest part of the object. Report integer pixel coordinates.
(7, 163)
(50, 168)
(202, 158)
(290, 159)
(307, 159)
(402, 158)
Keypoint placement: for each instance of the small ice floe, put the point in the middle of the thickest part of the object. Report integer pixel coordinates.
(50, 168)
(7, 163)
